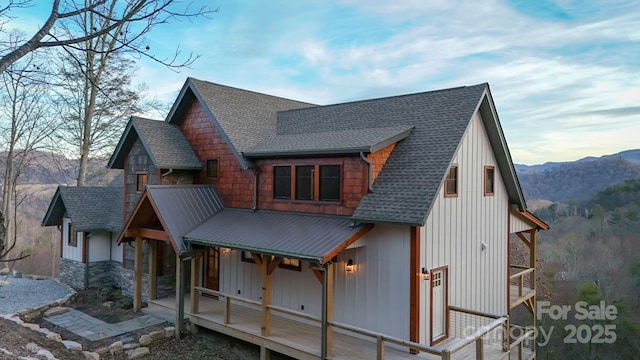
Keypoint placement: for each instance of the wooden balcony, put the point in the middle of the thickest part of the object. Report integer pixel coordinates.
(472, 335)
(522, 285)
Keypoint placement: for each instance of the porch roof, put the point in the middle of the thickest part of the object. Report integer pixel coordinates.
(315, 238)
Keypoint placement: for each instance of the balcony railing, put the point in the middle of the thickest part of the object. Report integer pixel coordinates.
(522, 283)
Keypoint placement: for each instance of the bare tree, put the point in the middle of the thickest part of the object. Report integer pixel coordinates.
(25, 124)
(134, 18)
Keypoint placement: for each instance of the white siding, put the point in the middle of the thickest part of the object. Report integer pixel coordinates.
(99, 246)
(456, 228)
(71, 252)
(116, 250)
(517, 224)
(375, 296)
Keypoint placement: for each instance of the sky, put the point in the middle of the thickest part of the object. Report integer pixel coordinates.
(564, 74)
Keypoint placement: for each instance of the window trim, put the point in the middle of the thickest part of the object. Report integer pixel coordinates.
(315, 182)
(298, 267)
(245, 256)
(487, 169)
(456, 180)
(71, 234)
(140, 189)
(217, 168)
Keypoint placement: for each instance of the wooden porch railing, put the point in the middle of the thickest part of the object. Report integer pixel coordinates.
(519, 343)
(380, 339)
(524, 278)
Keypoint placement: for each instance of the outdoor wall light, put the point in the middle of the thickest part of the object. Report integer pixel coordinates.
(349, 266)
(425, 273)
(483, 246)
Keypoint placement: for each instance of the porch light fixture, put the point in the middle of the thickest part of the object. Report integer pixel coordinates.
(483, 246)
(226, 250)
(425, 273)
(349, 266)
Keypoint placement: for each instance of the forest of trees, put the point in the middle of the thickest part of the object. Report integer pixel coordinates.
(592, 254)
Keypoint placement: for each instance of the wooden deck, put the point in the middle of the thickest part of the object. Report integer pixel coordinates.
(520, 295)
(299, 339)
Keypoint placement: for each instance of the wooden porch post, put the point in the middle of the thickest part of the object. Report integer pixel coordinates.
(153, 269)
(179, 298)
(532, 263)
(137, 283)
(195, 277)
(266, 295)
(329, 294)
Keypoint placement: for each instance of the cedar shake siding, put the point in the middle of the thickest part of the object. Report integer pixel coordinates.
(234, 184)
(378, 159)
(353, 186)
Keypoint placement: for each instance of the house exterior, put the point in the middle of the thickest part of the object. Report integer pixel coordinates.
(388, 219)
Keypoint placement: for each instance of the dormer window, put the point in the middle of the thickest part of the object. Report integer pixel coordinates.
(311, 182)
(451, 182)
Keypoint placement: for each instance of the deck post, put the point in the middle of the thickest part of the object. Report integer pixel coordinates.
(137, 283)
(195, 277)
(265, 354)
(179, 297)
(379, 348)
(153, 269)
(532, 264)
(266, 295)
(480, 349)
(329, 294)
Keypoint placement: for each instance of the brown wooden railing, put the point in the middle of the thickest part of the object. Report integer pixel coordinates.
(523, 279)
(381, 340)
(519, 343)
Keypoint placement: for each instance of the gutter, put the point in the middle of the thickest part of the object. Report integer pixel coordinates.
(369, 171)
(168, 173)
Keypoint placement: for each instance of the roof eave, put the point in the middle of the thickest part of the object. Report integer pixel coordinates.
(116, 161)
(300, 153)
(56, 201)
(317, 259)
(392, 140)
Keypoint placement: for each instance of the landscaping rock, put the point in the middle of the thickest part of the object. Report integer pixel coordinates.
(115, 347)
(5, 271)
(156, 335)
(131, 346)
(17, 274)
(91, 355)
(45, 354)
(55, 311)
(169, 331)
(55, 337)
(72, 345)
(145, 340)
(34, 315)
(31, 326)
(138, 353)
(33, 347)
(102, 351)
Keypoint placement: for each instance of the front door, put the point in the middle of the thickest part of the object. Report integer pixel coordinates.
(212, 280)
(439, 305)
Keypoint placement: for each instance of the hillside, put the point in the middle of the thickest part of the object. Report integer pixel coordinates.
(572, 181)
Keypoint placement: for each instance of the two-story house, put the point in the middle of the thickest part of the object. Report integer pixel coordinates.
(353, 230)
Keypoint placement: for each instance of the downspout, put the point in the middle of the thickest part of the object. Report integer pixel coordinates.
(169, 172)
(369, 171)
(255, 189)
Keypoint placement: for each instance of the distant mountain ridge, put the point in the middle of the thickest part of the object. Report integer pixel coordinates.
(576, 180)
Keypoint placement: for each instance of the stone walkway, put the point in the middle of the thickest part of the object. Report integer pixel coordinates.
(94, 329)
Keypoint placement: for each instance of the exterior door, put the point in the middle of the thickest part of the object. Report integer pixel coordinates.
(439, 305)
(213, 269)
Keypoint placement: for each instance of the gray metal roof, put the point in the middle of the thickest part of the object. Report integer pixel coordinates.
(183, 207)
(410, 179)
(244, 118)
(302, 236)
(331, 142)
(164, 143)
(90, 208)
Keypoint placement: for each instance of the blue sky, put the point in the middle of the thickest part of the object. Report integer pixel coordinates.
(564, 74)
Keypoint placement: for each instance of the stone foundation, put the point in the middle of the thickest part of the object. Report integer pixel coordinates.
(73, 273)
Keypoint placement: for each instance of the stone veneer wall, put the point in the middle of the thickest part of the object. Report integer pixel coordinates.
(124, 279)
(73, 273)
(100, 274)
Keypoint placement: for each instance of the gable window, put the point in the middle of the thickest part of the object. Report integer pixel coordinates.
(73, 237)
(141, 181)
(213, 168)
(304, 182)
(451, 182)
(282, 182)
(330, 182)
(291, 264)
(489, 177)
(310, 182)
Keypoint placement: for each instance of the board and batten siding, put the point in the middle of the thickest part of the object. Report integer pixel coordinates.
(374, 296)
(116, 251)
(71, 252)
(517, 224)
(99, 246)
(456, 227)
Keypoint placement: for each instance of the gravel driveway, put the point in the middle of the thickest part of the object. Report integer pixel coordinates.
(18, 294)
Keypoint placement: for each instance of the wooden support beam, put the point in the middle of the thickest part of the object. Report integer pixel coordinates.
(137, 282)
(257, 259)
(147, 233)
(414, 286)
(179, 300)
(195, 281)
(266, 295)
(318, 275)
(153, 269)
(524, 239)
(329, 274)
(273, 265)
(265, 354)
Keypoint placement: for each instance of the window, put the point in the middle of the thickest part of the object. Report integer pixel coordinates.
(291, 264)
(73, 237)
(141, 181)
(451, 182)
(330, 182)
(304, 182)
(213, 168)
(311, 182)
(246, 257)
(489, 176)
(282, 182)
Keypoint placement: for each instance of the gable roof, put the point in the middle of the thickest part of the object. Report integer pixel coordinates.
(346, 141)
(180, 208)
(302, 236)
(164, 143)
(243, 118)
(90, 208)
